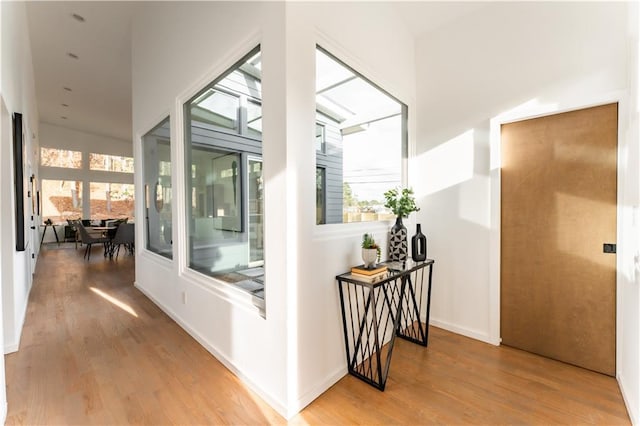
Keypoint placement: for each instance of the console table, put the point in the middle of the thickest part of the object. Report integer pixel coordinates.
(373, 314)
(46, 226)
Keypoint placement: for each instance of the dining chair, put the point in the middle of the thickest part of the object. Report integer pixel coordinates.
(87, 239)
(124, 235)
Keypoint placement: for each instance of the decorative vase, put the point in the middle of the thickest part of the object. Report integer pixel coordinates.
(398, 242)
(418, 245)
(369, 257)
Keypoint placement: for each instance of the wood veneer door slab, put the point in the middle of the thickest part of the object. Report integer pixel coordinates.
(559, 200)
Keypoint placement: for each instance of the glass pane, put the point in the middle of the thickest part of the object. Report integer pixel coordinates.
(157, 183)
(61, 200)
(320, 196)
(329, 71)
(320, 147)
(110, 163)
(362, 137)
(225, 192)
(256, 207)
(217, 108)
(254, 119)
(111, 201)
(51, 157)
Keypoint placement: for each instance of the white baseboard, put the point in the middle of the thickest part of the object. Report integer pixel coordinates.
(3, 412)
(632, 410)
(318, 390)
(484, 337)
(280, 407)
(11, 348)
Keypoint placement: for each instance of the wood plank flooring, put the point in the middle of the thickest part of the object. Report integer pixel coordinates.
(94, 350)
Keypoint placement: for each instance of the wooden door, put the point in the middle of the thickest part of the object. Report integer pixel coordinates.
(558, 287)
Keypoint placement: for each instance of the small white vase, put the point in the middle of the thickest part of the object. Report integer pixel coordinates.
(369, 257)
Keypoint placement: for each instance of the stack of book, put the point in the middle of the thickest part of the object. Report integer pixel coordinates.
(370, 275)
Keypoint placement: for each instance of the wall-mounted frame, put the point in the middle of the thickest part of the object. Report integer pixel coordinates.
(19, 158)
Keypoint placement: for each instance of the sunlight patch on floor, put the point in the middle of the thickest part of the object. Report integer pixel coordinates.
(128, 309)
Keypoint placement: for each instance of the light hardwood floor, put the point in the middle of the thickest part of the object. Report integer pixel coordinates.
(94, 350)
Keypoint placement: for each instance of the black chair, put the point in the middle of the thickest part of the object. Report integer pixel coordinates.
(124, 235)
(71, 231)
(89, 240)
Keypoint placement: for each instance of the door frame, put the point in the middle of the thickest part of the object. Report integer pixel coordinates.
(535, 109)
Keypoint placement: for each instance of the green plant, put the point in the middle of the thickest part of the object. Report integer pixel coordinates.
(401, 202)
(368, 242)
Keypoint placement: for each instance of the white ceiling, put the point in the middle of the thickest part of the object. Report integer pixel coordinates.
(100, 79)
(422, 17)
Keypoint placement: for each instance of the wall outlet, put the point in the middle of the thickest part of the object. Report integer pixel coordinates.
(184, 297)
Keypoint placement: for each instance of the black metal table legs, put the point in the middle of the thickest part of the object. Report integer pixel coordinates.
(374, 314)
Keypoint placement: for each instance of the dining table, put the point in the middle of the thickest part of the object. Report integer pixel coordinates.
(104, 231)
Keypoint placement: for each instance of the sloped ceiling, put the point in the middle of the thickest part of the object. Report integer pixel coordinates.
(100, 77)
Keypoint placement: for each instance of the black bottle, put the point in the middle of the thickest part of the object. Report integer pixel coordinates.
(418, 245)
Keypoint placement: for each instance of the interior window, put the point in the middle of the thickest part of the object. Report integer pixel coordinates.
(360, 143)
(156, 146)
(225, 187)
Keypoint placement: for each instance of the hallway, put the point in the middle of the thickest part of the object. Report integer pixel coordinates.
(94, 350)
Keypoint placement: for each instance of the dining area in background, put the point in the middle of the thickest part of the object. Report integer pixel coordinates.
(111, 234)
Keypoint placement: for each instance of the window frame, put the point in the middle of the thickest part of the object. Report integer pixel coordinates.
(189, 145)
(323, 140)
(323, 195)
(151, 194)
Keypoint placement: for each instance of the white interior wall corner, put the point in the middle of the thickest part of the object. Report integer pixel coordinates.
(385, 56)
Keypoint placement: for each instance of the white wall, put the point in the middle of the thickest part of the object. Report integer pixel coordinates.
(509, 61)
(629, 290)
(368, 38)
(17, 92)
(52, 136)
(178, 48)
(295, 352)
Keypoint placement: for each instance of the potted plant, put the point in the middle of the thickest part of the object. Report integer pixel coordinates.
(370, 251)
(401, 202)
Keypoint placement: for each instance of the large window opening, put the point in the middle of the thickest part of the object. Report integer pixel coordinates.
(361, 141)
(53, 157)
(156, 164)
(110, 163)
(61, 199)
(111, 200)
(224, 182)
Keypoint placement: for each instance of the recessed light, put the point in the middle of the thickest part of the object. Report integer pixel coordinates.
(68, 89)
(63, 117)
(77, 17)
(65, 105)
(72, 55)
